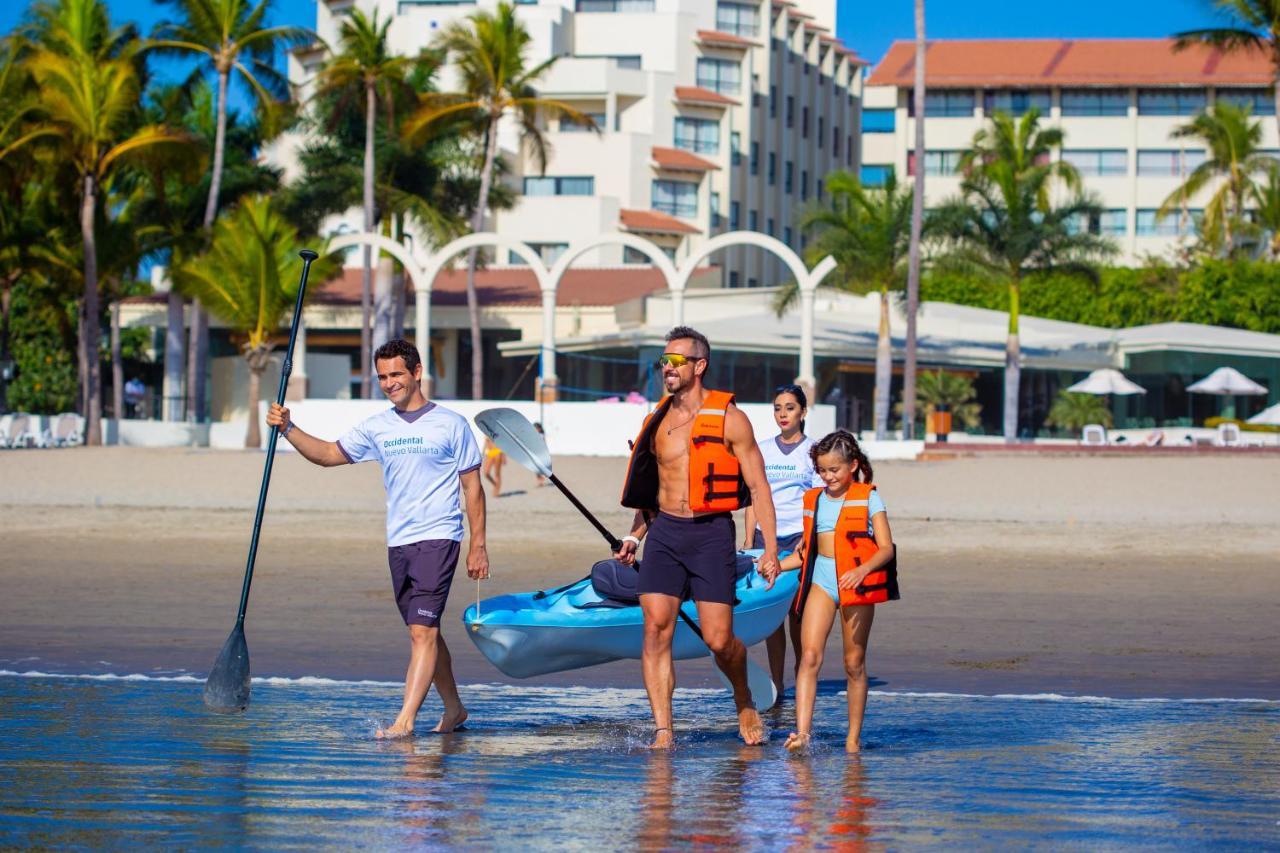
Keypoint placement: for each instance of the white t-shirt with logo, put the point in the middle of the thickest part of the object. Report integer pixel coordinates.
(789, 470)
(422, 454)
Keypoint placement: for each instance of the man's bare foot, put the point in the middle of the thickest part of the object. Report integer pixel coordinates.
(395, 731)
(797, 743)
(750, 726)
(451, 721)
(663, 739)
(852, 746)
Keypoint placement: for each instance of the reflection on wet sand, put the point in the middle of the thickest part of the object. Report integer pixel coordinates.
(430, 809)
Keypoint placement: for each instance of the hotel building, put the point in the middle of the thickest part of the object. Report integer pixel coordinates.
(1116, 100)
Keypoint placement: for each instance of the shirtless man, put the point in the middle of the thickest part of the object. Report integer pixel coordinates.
(695, 462)
(428, 456)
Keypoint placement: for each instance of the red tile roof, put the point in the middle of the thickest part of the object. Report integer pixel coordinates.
(516, 286)
(653, 222)
(706, 97)
(1069, 62)
(725, 39)
(680, 160)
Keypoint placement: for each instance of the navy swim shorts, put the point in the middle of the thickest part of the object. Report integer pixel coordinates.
(690, 558)
(421, 573)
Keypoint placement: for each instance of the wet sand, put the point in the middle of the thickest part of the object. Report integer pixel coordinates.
(1104, 576)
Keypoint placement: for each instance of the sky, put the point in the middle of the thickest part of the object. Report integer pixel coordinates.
(868, 32)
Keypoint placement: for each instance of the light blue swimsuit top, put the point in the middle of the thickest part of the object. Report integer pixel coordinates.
(829, 511)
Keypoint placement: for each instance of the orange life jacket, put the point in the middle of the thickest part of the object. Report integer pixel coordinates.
(853, 546)
(715, 477)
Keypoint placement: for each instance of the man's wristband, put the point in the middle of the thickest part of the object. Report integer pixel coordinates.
(630, 538)
(287, 427)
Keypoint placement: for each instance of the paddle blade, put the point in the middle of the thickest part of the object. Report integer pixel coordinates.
(516, 437)
(227, 689)
(764, 693)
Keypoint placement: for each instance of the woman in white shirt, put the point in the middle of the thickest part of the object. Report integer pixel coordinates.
(790, 473)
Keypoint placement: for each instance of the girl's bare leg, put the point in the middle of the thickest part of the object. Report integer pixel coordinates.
(855, 626)
(819, 613)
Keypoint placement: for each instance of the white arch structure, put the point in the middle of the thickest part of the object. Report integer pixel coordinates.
(424, 275)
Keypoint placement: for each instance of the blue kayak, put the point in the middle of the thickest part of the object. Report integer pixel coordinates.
(534, 633)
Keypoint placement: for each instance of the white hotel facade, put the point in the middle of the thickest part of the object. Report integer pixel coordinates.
(715, 115)
(1117, 101)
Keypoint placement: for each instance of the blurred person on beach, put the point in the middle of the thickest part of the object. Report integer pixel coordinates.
(694, 463)
(134, 395)
(494, 459)
(846, 559)
(790, 473)
(429, 460)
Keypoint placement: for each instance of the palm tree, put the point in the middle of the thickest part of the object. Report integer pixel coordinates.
(868, 232)
(228, 35)
(1256, 29)
(1075, 411)
(247, 276)
(89, 83)
(1005, 223)
(490, 53)
(1266, 204)
(917, 232)
(954, 391)
(1234, 162)
(367, 65)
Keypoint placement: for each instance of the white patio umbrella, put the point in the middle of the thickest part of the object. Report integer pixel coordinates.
(1267, 416)
(1108, 380)
(1226, 382)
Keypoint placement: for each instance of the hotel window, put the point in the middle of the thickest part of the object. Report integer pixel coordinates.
(787, 235)
(835, 142)
(548, 252)
(720, 75)
(822, 131)
(872, 175)
(625, 60)
(936, 162)
(1177, 224)
(1094, 163)
(804, 185)
(735, 215)
(946, 104)
(737, 18)
(751, 282)
(1111, 223)
(1015, 102)
(753, 220)
(791, 111)
(848, 151)
(1095, 102)
(567, 126)
(876, 121)
(560, 186)
(804, 121)
(734, 279)
(1170, 102)
(1168, 163)
(676, 198)
(755, 158)
(615, 5)
(701, 135)
(773, 102)
(769, 227)
(1259, 101)
(715, 210)
(773, 168)
(735, 146)
(788, 177)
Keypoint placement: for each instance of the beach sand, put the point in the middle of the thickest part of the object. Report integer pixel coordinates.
(1101, 576)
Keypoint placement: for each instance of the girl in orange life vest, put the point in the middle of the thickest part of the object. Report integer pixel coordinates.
(845, 560)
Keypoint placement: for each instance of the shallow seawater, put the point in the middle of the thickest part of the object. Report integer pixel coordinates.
(103, 761)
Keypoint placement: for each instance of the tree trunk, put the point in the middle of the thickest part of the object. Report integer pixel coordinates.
(6, 297)
(398, 287)
(175, 356)
(1012, 369)
(256, 359)
(884, 370)
(382, 308)
(198, 353)
(917, 229)
(477, 225)
(89, 333)
(117, 368)
(366, 272)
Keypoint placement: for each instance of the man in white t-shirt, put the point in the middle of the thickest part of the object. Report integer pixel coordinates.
(429, 458)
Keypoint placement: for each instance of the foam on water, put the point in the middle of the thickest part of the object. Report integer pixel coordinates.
(107, 760)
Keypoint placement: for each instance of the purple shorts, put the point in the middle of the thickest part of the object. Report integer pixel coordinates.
(421, 573)
(690, 558)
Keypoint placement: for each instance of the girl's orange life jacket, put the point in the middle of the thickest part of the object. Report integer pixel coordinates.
(715, 477)
(854, 546)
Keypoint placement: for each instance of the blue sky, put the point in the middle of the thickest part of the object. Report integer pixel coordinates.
(869, 32)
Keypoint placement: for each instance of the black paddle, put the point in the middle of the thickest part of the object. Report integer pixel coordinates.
(227, 688)
(515, 436)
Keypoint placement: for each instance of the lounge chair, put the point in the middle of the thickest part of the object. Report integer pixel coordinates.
(1228, 435)
(1094, 435)
(6, 424)
(20, 431)
(67, 430)
(1155, 438)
